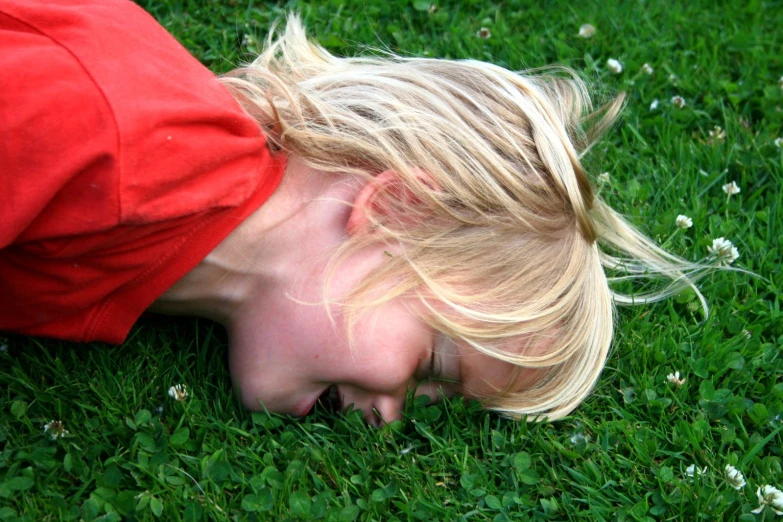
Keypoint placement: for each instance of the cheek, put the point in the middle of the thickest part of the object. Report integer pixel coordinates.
(386, 372)
(287, 329)
(276, 342)
(390, 351)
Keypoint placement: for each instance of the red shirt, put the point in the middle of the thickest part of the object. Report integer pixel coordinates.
(123, 163)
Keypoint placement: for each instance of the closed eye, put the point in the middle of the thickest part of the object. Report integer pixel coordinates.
(444, 371)
(439, 378)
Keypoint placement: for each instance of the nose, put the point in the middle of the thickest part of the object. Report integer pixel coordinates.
(385, 409)
(378, 409)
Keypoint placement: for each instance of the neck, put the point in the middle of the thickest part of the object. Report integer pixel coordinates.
(306, 215)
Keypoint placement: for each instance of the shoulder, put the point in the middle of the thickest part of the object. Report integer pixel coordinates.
(98, 90)
(183, 143)
(57, 129)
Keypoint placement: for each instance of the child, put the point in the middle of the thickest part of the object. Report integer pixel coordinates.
(362, 227)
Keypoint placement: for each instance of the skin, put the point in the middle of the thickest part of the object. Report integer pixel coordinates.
(265, 283)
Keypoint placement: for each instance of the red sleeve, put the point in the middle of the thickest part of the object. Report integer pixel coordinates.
(123, 163)
(58, 139)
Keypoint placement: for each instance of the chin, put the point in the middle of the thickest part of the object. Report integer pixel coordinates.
(250, 401)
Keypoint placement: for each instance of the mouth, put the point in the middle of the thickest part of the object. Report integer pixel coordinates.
(330, 399)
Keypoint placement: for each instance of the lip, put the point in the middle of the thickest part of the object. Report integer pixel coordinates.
(305, 405)
(330, 394)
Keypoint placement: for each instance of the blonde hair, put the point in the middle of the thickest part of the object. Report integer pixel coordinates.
(504, 226)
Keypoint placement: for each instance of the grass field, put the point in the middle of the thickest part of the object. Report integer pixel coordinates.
(131, 452)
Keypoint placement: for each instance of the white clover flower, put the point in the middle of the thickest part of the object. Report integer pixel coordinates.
(693, 471)
(672, 78)
(55, 428)
(683, 221)
(734, 477)
(647, 69)
(483, 33)
(769, 496)
(778, 143)
(248, 41)
(717, 134)
(178, 392)
(723, 250)
(586, 31)
(603, 177)
(731, 188)
(579, 438)
(614, 66)
(654, 104)
(780, 82)
(678, 101)
(675, 379)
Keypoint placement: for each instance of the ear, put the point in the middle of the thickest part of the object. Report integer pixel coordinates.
(389, 184)
(358, 219)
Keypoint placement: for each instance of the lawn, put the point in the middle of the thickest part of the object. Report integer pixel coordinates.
(642, 447)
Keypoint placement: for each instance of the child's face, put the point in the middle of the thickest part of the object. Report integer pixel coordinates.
(286, 354)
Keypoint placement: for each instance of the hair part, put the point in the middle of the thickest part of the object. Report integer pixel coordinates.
(505, 229)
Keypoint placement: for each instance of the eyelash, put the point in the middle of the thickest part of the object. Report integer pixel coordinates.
(431, 373)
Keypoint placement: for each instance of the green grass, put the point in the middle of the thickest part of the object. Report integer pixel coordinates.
(133, 453)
